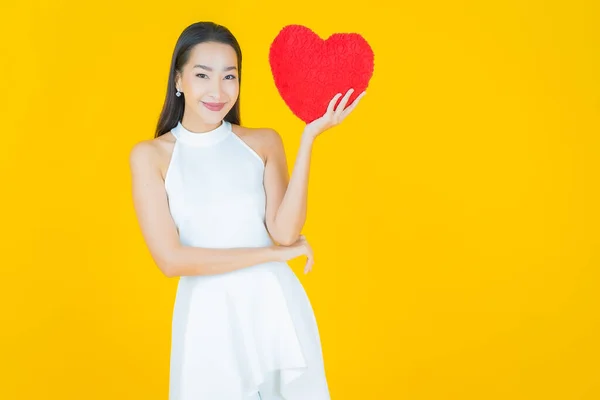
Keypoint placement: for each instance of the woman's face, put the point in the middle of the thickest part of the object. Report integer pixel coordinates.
(210, 76)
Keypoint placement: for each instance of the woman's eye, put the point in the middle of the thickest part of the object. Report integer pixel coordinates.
(203, 75)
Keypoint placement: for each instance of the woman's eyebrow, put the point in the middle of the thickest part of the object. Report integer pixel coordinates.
(210, 69)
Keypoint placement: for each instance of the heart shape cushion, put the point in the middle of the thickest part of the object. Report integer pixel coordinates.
(309, 71)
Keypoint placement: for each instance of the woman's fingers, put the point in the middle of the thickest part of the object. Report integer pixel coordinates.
(337, 114)
(332, 103)
(342, 105)
(308, 266)
(310, 258)
(309, 263)
(352, 106)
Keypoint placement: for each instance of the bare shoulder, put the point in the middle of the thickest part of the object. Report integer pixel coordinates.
(152, 153)
(261, 140)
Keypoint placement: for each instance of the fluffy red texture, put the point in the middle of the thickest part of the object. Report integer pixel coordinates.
(309, 71)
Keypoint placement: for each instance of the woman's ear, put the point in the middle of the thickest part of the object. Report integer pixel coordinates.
(178, 81)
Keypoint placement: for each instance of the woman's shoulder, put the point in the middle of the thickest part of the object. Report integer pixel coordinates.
(153, 152)
(259, 139)
(258, 135)
(155, 147)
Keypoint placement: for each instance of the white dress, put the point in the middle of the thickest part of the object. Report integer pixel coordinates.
(233, 331)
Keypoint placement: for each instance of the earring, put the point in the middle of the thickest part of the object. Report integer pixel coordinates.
(178, 93)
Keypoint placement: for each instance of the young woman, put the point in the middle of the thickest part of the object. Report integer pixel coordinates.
(216, 208)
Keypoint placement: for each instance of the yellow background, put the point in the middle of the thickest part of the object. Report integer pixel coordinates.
(454, 215)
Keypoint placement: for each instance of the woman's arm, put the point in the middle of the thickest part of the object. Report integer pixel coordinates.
(286, 198)
(161, 236)
(191, 261)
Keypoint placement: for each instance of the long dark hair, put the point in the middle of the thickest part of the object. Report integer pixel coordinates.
(199, 32)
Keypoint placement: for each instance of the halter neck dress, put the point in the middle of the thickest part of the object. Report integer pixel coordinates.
(233, 331)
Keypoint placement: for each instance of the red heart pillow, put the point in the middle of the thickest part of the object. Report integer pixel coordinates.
(308, 71)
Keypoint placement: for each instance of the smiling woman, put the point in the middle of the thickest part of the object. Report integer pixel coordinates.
(207, 48)
(205, 71)
(216, 209)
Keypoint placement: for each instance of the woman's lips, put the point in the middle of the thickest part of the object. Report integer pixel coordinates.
(214, 106)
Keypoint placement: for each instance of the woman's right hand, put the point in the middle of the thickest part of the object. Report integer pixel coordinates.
(300, 248)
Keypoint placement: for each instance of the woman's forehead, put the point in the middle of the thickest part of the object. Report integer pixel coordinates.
(211, 53)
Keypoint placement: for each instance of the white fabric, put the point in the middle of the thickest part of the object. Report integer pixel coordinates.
(236, 331)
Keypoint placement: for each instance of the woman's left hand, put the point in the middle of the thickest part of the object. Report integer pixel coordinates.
(332, 117)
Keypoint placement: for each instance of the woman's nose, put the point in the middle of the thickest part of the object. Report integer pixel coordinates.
(216, 88)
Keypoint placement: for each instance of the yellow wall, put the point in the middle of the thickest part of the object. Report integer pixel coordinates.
(454, 215)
